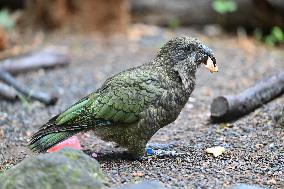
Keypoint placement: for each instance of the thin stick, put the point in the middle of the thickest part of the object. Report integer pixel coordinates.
(40, 96)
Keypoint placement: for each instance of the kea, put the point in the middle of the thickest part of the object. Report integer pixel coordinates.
(133, 105)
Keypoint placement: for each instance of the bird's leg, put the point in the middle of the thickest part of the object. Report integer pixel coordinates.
(153, 119)
(137, 155)
(137, 149)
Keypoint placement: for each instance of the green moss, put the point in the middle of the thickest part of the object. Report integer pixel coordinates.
(71, 155)
(67, 168)
(74, 175)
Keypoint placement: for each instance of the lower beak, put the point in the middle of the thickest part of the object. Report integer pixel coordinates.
(210, 66)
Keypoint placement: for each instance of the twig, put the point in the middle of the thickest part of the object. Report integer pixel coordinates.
(234, 106)
(40, 96)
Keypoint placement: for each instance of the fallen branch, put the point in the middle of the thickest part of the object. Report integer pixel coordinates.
(33, 61)
(28, 62)
(234, 106)
(40, 96)
(7, 92)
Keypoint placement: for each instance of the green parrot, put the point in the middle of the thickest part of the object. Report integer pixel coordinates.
(133, 105)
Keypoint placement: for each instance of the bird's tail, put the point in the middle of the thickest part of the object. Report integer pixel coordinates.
(51, 134)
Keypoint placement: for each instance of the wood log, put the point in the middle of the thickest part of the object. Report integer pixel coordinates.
(233, 106)
(40, 96)
(7, 92)
(33, 61)
(250, 13)
(106, 17)
(46, 14)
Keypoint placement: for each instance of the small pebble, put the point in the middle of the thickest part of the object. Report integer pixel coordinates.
(94, 155)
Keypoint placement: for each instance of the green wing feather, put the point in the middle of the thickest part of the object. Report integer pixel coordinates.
(120, 100)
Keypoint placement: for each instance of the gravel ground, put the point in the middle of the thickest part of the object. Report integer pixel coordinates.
(254, 145)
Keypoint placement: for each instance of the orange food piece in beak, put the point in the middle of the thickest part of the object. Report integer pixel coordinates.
(210, 66)
(71, 142)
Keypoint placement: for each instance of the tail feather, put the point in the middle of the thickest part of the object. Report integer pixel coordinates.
(45, 142)
(59, 129)
(51, 133)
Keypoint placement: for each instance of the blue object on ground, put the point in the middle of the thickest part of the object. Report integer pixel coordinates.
(149, 151)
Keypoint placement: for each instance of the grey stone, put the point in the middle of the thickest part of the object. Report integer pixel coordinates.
(143, 185)
(245, 186)
(67, 168)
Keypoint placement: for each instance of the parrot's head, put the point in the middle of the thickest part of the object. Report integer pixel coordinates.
(190, 52)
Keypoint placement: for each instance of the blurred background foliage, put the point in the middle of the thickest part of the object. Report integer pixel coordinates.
(261, 19)
(6, 20)
(224, 6)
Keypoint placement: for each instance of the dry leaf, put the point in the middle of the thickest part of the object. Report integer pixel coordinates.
(216, 151)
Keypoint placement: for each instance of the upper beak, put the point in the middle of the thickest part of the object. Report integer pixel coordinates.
(211, 66)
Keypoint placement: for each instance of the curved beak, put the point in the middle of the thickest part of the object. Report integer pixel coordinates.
(211, 65)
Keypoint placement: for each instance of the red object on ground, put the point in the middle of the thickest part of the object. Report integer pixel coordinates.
(72, 142)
